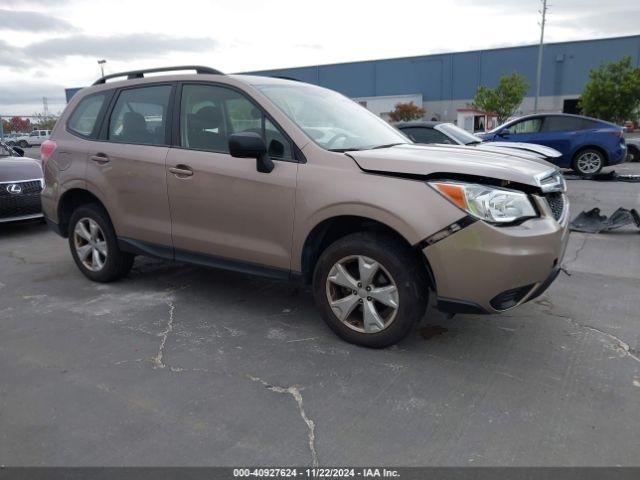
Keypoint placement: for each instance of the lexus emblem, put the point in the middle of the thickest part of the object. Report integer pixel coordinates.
(14, 188)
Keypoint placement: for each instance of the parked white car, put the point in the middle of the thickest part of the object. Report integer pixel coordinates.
(35, 138)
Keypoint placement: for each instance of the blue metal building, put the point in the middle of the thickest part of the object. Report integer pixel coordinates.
(445, 82)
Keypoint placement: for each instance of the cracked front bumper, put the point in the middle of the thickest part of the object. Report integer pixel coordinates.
(488, 269)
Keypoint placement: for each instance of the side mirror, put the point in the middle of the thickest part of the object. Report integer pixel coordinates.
(504, 133)
(19, 151)
(251, 145)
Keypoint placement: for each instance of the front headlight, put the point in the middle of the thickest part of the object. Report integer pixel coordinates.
(492, 204)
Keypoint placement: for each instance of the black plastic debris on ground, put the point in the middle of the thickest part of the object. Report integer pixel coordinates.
(611, 176)
(593, 222)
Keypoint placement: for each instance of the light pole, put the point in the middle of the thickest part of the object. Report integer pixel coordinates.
(101, 63)
(539, 71)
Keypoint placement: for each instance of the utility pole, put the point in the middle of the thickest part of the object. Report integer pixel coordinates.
(539, 71)
(101, 63)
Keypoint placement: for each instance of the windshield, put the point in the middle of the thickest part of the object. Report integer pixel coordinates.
(458, 134)
(503, 125)
(331, 120)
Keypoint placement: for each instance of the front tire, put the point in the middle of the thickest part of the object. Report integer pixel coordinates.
(588, 162)
(94, 246)
(370, 289)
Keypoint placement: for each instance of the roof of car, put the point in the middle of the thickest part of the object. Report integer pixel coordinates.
(201, 73)
(557, 114)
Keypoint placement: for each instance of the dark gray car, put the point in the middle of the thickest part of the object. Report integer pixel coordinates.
(20, 186)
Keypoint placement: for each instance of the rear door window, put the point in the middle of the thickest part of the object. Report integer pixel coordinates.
(140, 116)
(563, 124)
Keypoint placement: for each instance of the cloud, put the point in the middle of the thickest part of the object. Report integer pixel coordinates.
(27, 21)
(15, 96)
(12, 57)
(22, 3)
(117, 47)
(621, 22)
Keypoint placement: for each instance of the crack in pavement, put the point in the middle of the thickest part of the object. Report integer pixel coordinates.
(579, 250)
(619, 345)
(158, 360)
(294, 391)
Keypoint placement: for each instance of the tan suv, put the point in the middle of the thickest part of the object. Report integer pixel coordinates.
(289, 180)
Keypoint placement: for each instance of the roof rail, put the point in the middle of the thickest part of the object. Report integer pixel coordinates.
(140, 73)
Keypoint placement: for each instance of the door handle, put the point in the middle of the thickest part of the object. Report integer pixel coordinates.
(100, 158)
(181, 170)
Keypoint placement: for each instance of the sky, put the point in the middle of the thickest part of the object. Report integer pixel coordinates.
(47, 45)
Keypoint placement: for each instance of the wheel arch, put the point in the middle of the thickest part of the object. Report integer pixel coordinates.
(70, 201)
(598, 148)
(332, 229)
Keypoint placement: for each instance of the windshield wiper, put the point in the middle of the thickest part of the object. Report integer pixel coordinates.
(474, 142)
(388, 145)
(359, 149)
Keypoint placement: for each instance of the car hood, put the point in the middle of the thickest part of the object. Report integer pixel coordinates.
(547, 152)
(502, 149)
(14, 169)
(432, 159)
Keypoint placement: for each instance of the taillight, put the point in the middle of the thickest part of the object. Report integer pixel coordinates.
(46, 150)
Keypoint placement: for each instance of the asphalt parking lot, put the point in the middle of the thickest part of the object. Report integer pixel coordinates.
(179, 365)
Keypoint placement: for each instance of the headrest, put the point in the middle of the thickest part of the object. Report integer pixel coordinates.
(208, 117)
(133, 121)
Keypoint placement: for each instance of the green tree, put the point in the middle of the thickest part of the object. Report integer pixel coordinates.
(613, 92)
(405, 112)
(503, 100)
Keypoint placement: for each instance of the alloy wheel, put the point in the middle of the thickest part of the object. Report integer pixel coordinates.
(589, 163)
(362, 294)
(90, 244)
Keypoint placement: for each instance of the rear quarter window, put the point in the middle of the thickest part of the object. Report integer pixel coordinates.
(566, 124)
(84, 117)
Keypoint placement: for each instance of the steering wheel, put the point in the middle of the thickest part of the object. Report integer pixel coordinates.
(335, 138)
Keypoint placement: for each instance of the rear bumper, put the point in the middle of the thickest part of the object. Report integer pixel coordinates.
(618, 156)
(488, 269)
(20, 218)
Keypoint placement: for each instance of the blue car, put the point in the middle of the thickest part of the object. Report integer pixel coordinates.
(587, 144)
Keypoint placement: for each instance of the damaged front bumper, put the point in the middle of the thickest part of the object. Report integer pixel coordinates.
(483, 268)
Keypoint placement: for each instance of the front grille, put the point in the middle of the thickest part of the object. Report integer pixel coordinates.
(32, 186)
(27, 202)
(556, 203)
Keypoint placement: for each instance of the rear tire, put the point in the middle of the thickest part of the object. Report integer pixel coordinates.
(23, 144)
(588, 162)
(371, 289)
(94, 246)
